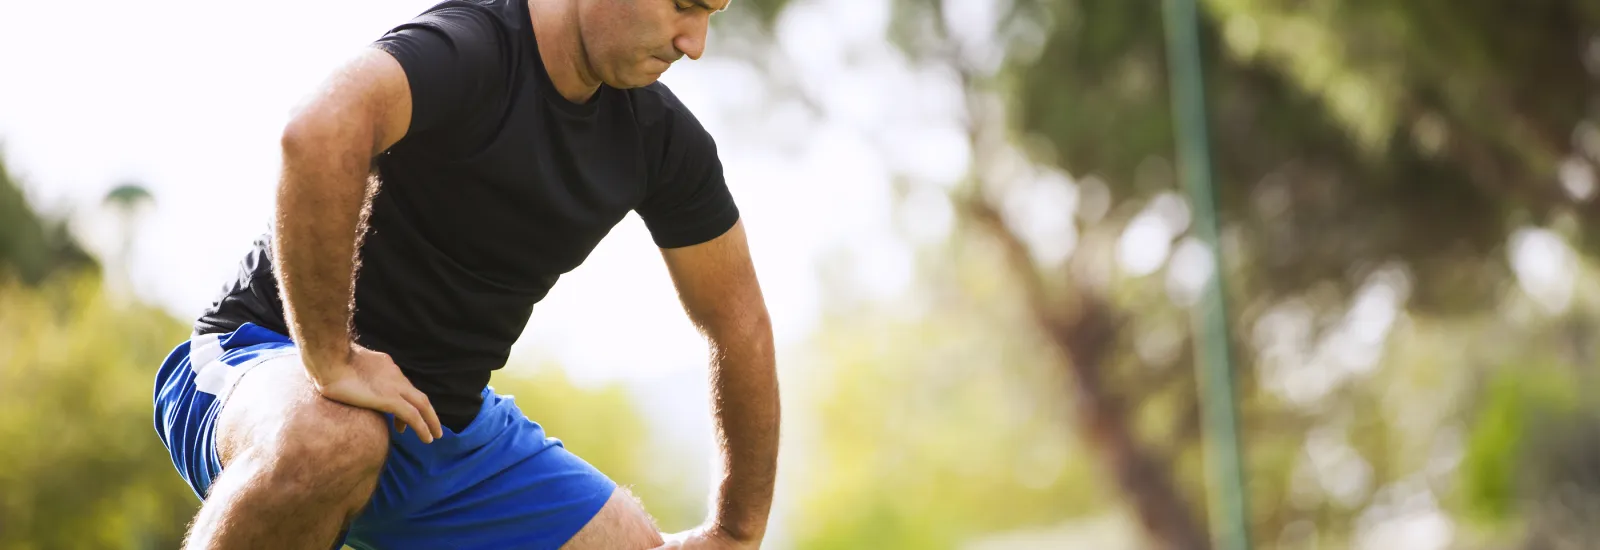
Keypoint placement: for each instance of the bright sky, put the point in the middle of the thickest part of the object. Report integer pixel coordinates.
(187, 97)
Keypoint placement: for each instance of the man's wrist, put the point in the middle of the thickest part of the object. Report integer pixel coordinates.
(743, 535)
(325, 361)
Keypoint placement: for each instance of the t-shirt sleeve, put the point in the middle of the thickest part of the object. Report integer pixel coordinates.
(455, 57)
(689, 202)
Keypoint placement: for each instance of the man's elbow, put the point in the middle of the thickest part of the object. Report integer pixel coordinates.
(751, 336)
(328, 132)
(305, 135)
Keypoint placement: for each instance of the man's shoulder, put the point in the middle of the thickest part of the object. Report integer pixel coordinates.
(655, 107)
(500, 16)
(499, 9)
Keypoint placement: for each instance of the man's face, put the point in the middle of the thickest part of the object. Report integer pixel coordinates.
(631, 42)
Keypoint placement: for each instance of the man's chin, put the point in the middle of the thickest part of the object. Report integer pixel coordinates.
(634, 79)
(638, 81)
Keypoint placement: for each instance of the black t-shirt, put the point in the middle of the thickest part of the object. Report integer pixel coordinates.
(499, 186)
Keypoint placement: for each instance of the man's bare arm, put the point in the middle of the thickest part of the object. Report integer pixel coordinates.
(327, 155)
(717, 284)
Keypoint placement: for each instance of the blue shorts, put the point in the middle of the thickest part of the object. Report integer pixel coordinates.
(498, 484)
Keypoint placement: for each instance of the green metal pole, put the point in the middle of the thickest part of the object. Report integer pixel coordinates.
(1228, 510)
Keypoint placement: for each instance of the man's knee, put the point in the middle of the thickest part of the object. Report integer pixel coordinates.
(621, 524)
(276, 425)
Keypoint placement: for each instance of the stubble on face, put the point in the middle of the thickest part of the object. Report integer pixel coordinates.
(628, 42)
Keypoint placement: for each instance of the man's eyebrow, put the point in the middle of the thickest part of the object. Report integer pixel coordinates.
(705, 5)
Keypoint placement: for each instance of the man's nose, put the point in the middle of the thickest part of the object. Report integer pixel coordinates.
(692, 42)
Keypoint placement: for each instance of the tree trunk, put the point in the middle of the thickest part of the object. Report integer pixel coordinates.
(1141, 472)
(1087, 339)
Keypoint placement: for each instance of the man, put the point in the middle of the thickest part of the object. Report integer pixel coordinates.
(432, 192)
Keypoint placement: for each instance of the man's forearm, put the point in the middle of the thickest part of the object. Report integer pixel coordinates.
(320, 200)
(744, 389)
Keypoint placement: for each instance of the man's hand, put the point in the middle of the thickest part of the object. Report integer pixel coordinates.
(371, 380)
(708, 538)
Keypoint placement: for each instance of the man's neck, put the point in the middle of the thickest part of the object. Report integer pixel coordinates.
(555, 31)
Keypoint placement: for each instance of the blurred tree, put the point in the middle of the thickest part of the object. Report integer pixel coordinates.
(33, 247)
(1371, 157)
(127, 202)
(924, 427)
(82, 467)
(1351, 140)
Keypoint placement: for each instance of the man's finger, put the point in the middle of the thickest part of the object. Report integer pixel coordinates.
(405, 411)
(421, 402)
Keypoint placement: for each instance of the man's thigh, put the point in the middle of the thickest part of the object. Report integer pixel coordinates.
(273, 408)
(622, 524)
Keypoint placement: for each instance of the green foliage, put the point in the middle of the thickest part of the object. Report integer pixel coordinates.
(929, 429)
(1348, 137)
(82, 466)
(33, 247)
(1519, 403)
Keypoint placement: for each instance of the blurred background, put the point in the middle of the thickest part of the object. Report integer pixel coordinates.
(979, 254)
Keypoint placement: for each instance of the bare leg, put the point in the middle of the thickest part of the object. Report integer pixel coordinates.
(621, 525)
(297, 467)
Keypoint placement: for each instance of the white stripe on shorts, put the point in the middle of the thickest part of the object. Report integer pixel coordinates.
(218, 378)
(210, 374)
